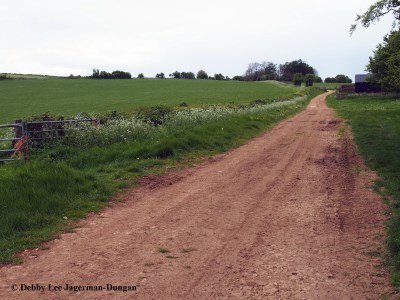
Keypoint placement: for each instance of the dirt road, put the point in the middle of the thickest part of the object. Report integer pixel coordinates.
(290, 215)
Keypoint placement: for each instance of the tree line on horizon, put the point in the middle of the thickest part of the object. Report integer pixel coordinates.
(97, 74)
(297, 72)
(298, 78)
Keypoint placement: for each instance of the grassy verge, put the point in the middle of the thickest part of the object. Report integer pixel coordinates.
(64, 183)
(376, 126)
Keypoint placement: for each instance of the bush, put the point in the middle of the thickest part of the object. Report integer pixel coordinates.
(140, 127)
(109, 116)
(258, 102)
(47, 116)
(309, 80)
(155, 115)
(297, 79)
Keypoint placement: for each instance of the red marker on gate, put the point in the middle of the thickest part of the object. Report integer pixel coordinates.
(21, 148)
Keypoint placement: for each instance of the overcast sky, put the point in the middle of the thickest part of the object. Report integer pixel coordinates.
(224, 36)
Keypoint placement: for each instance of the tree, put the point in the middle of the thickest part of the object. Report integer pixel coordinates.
(385, 64)
(97, 74)
(160, 75)
(298, 79)
(121, 75)
(187, 75)
(252, 70)
(140, 76)
(338, 79)
(309, 79)
(318, 79)
(72, 76)
(239, 78)
(219, 77)
(289, 69)
(176, 75)
(202, 75)
(376, 11)
(261, 71)
(182, 75)
(270, 70)
(343, 79)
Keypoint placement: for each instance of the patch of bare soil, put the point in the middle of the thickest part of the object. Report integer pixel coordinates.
(290, 215)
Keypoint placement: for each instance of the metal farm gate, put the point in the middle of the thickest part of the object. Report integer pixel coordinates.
(10, 153)
(32, 134)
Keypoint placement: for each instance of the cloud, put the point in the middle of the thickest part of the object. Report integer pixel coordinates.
(63, 37)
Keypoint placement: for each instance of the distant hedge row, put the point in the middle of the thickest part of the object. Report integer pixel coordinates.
(97, 74)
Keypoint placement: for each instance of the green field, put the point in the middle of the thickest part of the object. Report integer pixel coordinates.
(375, 122)
(22, 98)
